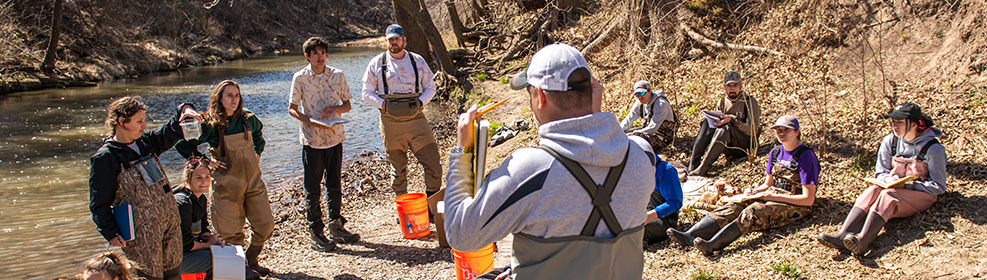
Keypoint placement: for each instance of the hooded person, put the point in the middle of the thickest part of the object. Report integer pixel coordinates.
(911, 149)
(573, 204)
(658, 119)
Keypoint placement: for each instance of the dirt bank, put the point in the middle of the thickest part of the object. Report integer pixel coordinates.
(843, 65)
(105, 40)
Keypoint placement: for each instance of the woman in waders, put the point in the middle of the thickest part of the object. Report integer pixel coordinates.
(787, 195)
(126, 170)
(910, 150)
(235, 143)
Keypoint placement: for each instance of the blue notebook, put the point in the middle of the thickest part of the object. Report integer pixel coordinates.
(124, 216)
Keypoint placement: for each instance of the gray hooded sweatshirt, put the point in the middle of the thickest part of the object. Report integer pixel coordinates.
(532, 194)
(658, 109)
(935, 157)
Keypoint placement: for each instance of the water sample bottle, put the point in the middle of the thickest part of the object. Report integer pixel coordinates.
(190, 128)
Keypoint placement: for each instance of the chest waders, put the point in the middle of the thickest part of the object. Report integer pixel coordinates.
(238, 192)
(157, 244)
(916, 166)
(404, 127)
(584, 256)
(787, 177)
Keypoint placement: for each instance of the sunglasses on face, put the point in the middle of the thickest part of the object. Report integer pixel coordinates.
(640, 94)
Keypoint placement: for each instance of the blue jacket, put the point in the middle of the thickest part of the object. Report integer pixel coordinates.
(667, 183)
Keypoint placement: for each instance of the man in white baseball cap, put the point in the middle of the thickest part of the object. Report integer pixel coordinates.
(586, 167)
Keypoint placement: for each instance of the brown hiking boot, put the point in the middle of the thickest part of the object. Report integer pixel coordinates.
(339, 234)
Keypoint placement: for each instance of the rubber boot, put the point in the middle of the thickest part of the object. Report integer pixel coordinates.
(431, 218)
(727, 235)
(860, 243)
(252, 253)
(320, 242)
(854, 221)
(339, 234)
(715, 149)
(705, 228)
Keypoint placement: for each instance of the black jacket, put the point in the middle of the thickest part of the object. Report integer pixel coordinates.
(192, 209)
(105, 165)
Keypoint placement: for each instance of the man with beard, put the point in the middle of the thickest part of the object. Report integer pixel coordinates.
(399, 83)
(737, 128)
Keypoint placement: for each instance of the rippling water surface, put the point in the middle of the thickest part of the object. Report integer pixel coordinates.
(46, 138)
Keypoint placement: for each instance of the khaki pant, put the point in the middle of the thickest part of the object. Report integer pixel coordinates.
(755, 215)
(157, 245)
(403, 134)
(239, 193)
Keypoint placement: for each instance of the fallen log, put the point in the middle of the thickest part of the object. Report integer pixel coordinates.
(714, 44)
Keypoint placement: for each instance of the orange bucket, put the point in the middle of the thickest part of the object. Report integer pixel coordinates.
(194, 276)
(413, 215)
(470, 265)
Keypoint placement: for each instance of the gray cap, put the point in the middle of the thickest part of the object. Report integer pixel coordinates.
(394, 30)
(550, 68)
(642, 86)
(732, 77)
(788, 121)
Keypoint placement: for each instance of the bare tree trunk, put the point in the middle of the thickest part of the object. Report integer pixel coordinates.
(408, 19)
(478, 9)
(457, 25)
(48, 65)
(424, 22)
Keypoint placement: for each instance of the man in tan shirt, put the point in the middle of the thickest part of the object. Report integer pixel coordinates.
(734, 134)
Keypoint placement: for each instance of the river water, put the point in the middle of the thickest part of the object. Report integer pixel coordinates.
(46, 229)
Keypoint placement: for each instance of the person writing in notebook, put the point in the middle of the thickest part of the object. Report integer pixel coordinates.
(787, 195)
(574, 205)
(736, 132)
(911, 149)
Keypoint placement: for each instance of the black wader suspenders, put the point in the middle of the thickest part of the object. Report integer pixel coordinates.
(921, 153)
(600, 194)
(383, 70)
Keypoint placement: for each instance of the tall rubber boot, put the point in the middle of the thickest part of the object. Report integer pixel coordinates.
(860, 243)
(854, 221)
(252, 253)
(705, 228)
(727, 235)
(715, 149)
(431, 218)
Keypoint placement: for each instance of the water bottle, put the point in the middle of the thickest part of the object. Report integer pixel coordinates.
(190, 128)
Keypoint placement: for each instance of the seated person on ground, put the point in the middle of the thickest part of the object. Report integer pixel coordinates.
(191, 198)
(910, 150)
(734, 134)
(788, 192)
(196, 237)
(656, 112)
(665, 203)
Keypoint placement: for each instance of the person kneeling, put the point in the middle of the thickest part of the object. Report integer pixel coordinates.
(778, 202)
(196, 238)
